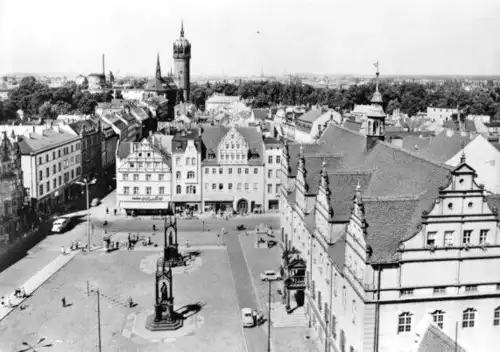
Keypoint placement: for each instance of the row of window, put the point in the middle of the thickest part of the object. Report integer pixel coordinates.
(149, 177)
(220, 186)
(57, 168)
(451, 241)
(188, 161)
(270, 159)
(230, 171)
(442, 290)
(59, 153)
(147, 164)
(468, 319)
(46, 188)
(190, 175)
(161, 190)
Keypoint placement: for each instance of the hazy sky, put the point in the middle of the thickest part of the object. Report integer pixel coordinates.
(320, 36)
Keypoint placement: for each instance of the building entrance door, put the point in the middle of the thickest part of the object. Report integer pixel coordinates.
(242, 206)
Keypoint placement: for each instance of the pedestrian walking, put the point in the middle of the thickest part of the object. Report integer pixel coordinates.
(107, 211)
(63, 301)
(115, 211)
(260, 317)
(254, 316)
(9, 303)
(63, 251)
(3, 301)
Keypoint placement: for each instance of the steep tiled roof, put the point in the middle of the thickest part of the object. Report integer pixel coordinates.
(124, 149)
(293, 152)
(443, 147)
(49, 139)
(311, 115)
(212, 135)
(79, 125)
(434, 339)
(343, 187)
(254, 139)
(154, 85)
(352, 125)
(494, 203)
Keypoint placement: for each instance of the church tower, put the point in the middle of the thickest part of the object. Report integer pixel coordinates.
(182, 56)
(375, 117)
(158, 68)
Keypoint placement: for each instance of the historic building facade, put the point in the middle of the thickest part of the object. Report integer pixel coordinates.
(272, 173)
(390, 242)
(233, 169)
(90, 134)
(11, 190)
(182, 58)
(186, 166)
(144, 176)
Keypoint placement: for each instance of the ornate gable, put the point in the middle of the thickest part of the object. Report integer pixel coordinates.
(233, 148)
(357, 227)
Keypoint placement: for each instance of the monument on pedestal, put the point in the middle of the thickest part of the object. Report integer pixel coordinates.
(164, 317)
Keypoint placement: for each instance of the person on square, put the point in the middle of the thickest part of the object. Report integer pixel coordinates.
(3, 301)
(63, 251)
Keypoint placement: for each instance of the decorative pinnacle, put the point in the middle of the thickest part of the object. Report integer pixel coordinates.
(182, 28)
(462, 157)
(376, 64)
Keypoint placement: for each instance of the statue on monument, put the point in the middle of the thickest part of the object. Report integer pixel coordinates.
(164, 292)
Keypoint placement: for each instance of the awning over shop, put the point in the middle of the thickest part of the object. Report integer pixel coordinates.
(218, 198)
(144, 205)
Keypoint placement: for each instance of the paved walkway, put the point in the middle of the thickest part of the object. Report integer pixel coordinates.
(37, 280)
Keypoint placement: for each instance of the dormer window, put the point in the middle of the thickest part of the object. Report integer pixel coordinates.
(211, 155)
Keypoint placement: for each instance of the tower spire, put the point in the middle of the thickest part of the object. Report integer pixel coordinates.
(158, 68)
(182, 28)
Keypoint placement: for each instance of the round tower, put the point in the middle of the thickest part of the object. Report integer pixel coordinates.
(182, 56)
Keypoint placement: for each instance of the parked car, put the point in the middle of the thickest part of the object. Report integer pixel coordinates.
(60, 224)
(247, 317)
(270, 275)
(95, 202)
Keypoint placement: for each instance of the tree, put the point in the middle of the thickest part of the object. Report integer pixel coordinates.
(60, 108)
(85, 83)
(45, 110)
(393, 105)
(118, 94)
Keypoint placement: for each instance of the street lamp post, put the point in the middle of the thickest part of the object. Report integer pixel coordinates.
(28, 347)
(86, 183)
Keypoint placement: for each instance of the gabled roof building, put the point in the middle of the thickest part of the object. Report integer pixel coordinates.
(389, 238)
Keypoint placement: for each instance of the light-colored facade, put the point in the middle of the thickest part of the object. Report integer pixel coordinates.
(233, 169)
(440, 115)
(51, 163)
(384, 255)
(272, 173)
(109, 143)
(186, 166)
(217, 102)
(143, 176)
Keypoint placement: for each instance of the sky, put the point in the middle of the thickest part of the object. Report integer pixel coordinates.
(316, 36)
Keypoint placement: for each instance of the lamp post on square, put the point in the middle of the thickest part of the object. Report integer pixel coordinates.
(35, 347)
(86, 183)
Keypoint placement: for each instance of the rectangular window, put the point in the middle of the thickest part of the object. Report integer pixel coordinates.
(60, 180)
(471, 288)
(246, 186)
(148, 164)
(255, 171)
(483, 236)
(278, 159)
(40, 175)
(269, 188)
(220, 171)
(187, 161)
(136, 190)
(161, 190)
(270, 159)
(246, 171)
(148, 191)
(467, 236)
(148, 177)
(161, 177)
(136, 177)
(214, 186)
(269, 173)
(207, 186)
(39, 160)
(132, 165)
(139, 165)
(59, 153)
(448, 238)
(230, 170)
(431, 238)
(54, 169)
(277, 173)
(496, 317)
(439, 290)
(48, 186)
(404, 322)
(438, 318)
(46, 158)
(214, 171)
(278, 189)
(125, 177)
(239, 186)
(47, 172)
(230, 186)
(408, 292)
(59, 167)
(126, 190)
(468, 318)
(239, 171)
(255, 186)
(206, 171)
(40, 189)
(72, 174)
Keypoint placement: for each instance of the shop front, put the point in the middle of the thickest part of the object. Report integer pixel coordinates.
(218, 203)
(144, 205)
(186, 204)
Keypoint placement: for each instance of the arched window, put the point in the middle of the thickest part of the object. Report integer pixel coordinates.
(178, 189)
(193, 161)
(404, 322)
(468, 318)
(178, 175)
(496, 317)
(190, 174)
(438, 318)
